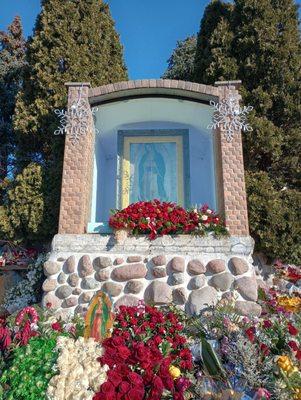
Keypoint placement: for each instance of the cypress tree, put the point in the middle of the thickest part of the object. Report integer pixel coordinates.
(259, 43)
(181, 62)
(214, 59)
(73, 41)
(12, 60)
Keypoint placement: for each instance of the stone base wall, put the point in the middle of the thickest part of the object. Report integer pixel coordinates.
(190, 271)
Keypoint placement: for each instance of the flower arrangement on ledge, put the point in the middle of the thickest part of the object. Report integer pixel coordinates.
(156, 218)
(154, 353)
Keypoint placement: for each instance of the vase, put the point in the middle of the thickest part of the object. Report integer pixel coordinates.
(121, 235)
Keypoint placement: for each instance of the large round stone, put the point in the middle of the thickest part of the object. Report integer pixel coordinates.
(51, 268)
(89, 283)
(51, 301)
(113, 289)
(63, 291)
(179, 296)
(196, 267)
(127, 300)
(70, 264)
(62, 278)
(159, 293)
(197, 282)
(134, 287)
(202, 298)
(238, 266)
(102, 275)
(49, 285)
(247, 287)
(134, 259)
(128, 272)
(216, 266)
(73, 280)
(177, 279)
(85, 267)
(177, 264)
(159, 272)
(222, 281)
(102, 262)
(70, 302)
(248, 308)
(159, 260)
(86, 297)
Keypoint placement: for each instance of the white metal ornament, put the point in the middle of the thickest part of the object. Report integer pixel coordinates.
(76, 120)
(229, 116)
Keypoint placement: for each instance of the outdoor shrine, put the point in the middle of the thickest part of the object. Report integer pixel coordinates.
(137, 141)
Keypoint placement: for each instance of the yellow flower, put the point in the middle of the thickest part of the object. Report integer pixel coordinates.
(174, 372)
(285, 363)
(292, 304)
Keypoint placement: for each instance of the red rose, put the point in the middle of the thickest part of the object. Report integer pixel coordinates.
(56, 326)
(123, 352)
(114, 377)
(108, 390)
(134, 394)
(135, 379)
(251, 334)
(264, 348)
(124, 387)
(293, 345)
(267, 324)
(292, 330)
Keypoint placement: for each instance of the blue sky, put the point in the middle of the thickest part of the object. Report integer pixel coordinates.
(149, 29)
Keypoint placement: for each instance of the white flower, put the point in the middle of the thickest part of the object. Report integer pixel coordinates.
(80, 374)
(209, 211)
(204, 217)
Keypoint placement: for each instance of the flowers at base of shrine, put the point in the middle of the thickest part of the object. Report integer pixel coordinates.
(79, 374)
(276, 301)
(157, 218)
(12, 254)
(147, 355)
(29, 369)
(291, 273)
(25, 327)
(260, 356)
(28, 290)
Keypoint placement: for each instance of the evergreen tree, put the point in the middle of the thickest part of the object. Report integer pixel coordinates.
(73, 41)
(12, 61)
(214, 60)
(259, 43)
(181, 62)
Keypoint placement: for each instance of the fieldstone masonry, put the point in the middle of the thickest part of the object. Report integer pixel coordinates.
(190, 271)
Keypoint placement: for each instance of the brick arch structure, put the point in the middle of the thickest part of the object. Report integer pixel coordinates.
(78, 158)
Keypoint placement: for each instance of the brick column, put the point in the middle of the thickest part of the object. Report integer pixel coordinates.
(77, 171)
(232, 191)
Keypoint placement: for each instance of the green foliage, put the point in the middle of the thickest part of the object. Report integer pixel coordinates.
(23, 214)
(275, 217)
(30, 370)
(181, 62)
(12, 61)
(259, 43)
(72, 41)
(214, 59)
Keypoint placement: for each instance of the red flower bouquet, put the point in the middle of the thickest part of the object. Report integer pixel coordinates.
(147, 356)
(157, 218)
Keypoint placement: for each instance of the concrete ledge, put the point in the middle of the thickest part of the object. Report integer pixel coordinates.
(180, 244)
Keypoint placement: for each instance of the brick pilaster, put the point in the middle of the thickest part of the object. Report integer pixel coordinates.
(231, 171)
(77, 171)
